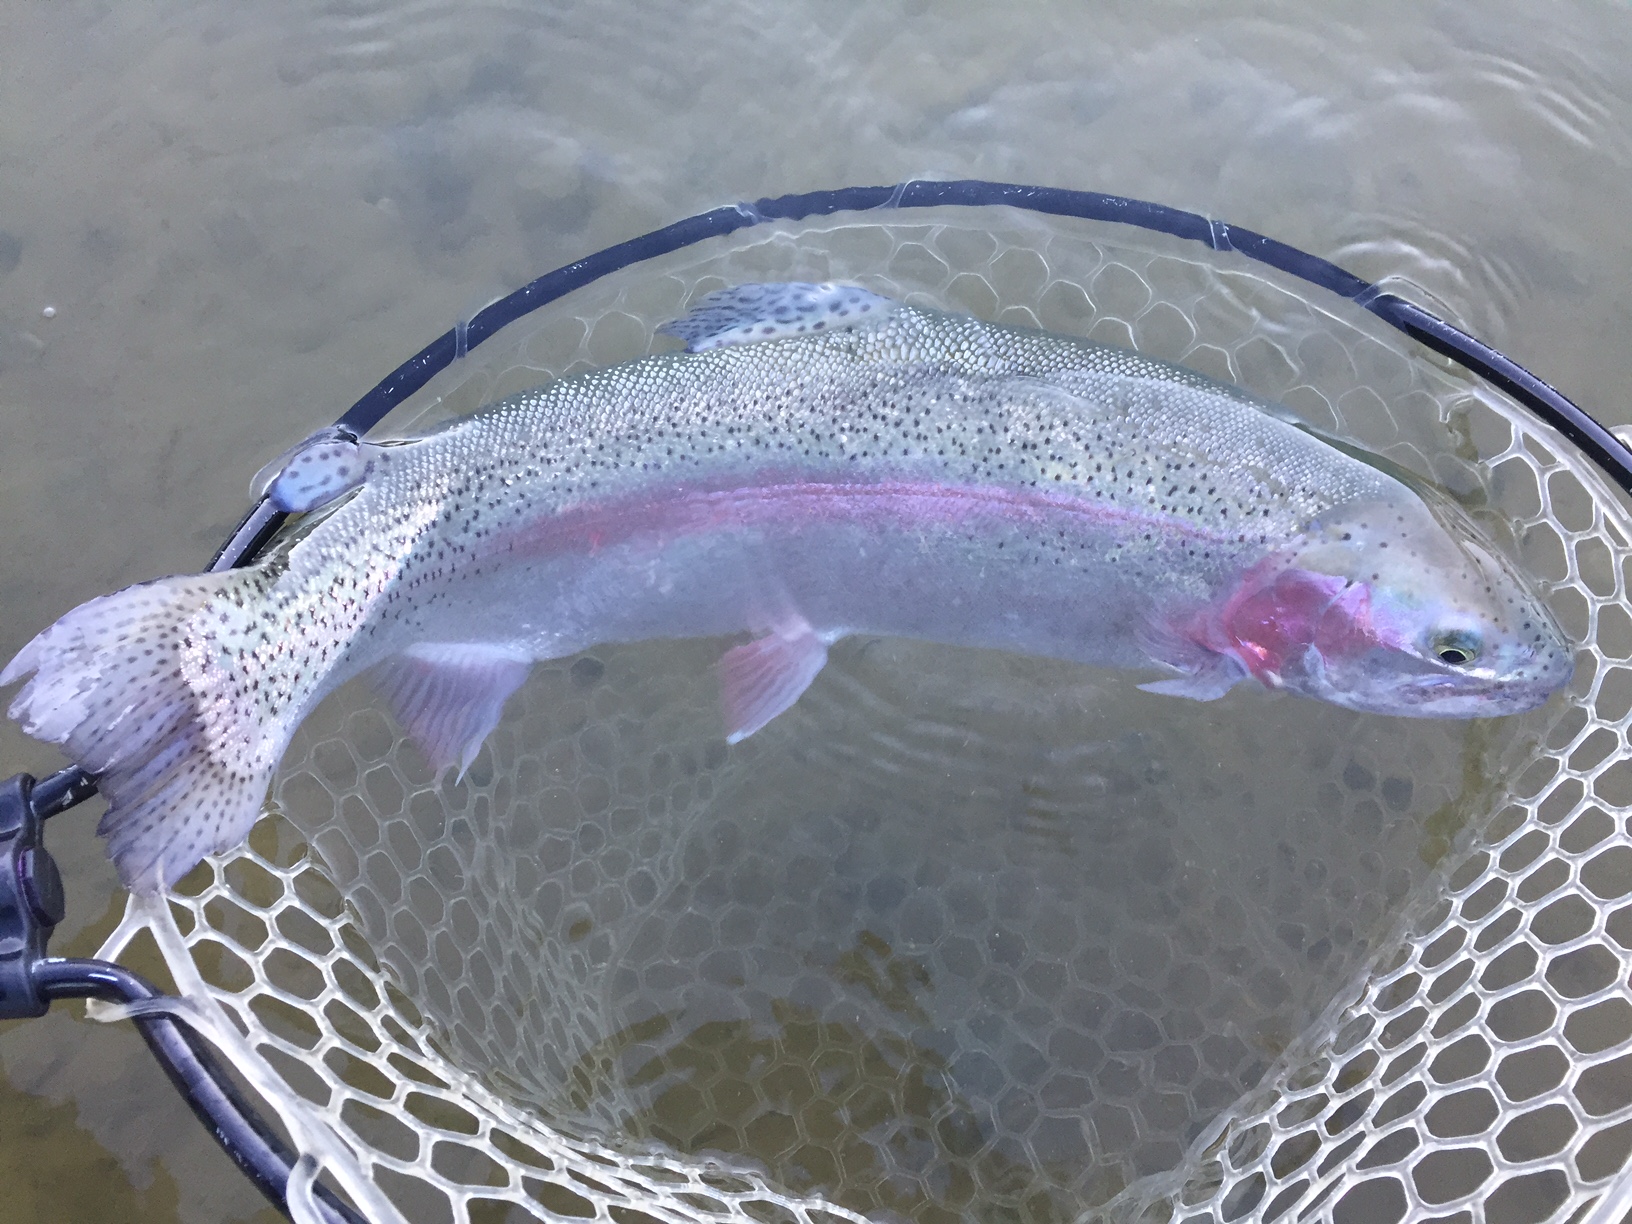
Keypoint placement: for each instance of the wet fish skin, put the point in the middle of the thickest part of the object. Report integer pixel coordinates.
(827, 462)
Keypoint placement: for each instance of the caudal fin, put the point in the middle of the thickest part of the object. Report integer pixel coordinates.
(134, 687)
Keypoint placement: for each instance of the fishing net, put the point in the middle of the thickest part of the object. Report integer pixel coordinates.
(966, 935)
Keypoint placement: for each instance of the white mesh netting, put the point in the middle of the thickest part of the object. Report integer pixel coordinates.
(964, 935)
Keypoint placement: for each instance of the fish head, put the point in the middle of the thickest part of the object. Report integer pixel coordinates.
(1396, 608)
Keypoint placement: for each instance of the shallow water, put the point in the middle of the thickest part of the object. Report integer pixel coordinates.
(242, 217)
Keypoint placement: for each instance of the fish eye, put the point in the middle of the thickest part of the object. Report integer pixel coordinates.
(1456, 647)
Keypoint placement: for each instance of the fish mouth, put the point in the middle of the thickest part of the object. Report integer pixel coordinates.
(1429, 699)
(1434, 694)
(1434, 697)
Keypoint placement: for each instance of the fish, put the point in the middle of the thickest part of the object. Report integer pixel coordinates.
(818, 461)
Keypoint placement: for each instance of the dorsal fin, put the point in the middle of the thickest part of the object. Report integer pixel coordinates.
(744, 314)
(319, 469)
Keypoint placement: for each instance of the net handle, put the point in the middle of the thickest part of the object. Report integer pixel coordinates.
(260, 1154)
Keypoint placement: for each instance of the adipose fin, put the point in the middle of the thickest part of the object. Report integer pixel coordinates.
(314, 472)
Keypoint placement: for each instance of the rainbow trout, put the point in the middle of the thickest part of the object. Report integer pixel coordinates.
(820, 462)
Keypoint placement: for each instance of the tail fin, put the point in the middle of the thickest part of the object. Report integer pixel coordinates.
(137, 687)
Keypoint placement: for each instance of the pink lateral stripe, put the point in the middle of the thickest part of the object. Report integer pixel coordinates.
(598, 525)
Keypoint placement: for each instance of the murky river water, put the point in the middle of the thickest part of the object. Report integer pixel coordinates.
(219, 224)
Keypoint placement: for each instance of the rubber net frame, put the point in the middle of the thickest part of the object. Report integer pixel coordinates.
(1378, 975)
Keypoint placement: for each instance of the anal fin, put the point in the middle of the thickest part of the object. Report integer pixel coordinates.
(449, 696)
(762, 678)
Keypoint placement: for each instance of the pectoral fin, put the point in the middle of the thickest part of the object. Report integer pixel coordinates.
(449, 696)
(1207, 683)
(745, 314)
(762, 678)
